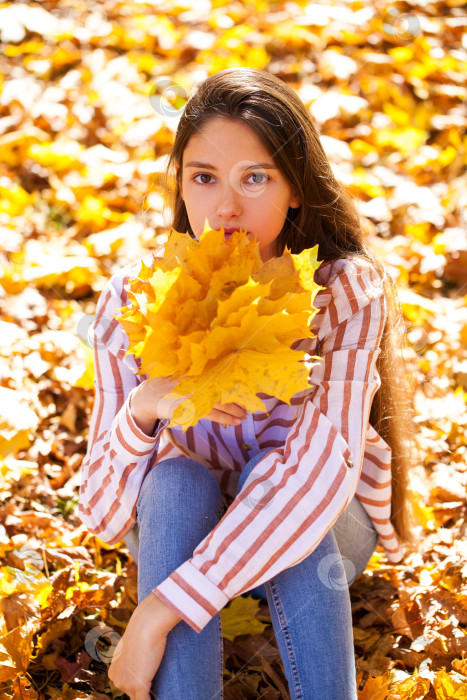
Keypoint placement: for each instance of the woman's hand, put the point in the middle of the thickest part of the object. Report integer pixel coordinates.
(139, 652)
(156, 398)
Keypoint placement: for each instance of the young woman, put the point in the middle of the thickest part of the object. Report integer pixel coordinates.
(290, 503)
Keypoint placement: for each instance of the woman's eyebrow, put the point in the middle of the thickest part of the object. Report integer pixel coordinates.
(198, 164)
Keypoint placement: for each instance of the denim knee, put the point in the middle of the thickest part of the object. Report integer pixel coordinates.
(249, 466)
(180, 478)
(356, 537)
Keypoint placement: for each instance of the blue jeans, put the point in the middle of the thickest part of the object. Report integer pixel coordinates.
(309, 603)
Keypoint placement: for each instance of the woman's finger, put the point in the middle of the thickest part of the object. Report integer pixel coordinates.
(222, 417)
(233, 409)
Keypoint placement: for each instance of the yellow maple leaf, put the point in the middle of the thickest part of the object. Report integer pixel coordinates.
(447, 687)
(412, 688)
(239, 617)
(375, 688)
(213, 316)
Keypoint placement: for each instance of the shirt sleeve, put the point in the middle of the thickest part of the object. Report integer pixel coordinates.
(295, 493)
(119, 452)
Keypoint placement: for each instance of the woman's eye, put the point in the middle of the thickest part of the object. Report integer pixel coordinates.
(202, 175)
(264, 177)
(261, 178)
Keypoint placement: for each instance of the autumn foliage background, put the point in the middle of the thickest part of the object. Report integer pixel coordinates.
(90, 94)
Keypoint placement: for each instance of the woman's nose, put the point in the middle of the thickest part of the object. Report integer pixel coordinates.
(229, 203)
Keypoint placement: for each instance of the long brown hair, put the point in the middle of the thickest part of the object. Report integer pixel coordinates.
(327, 217)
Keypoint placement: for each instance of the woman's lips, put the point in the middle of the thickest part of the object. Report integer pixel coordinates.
(228, 231)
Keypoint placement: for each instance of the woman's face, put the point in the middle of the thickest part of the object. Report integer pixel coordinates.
(229, 177)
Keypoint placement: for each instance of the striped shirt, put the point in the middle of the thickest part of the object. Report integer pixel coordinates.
(322, 448)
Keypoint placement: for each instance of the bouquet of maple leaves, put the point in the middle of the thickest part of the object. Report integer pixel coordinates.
(211, 315)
